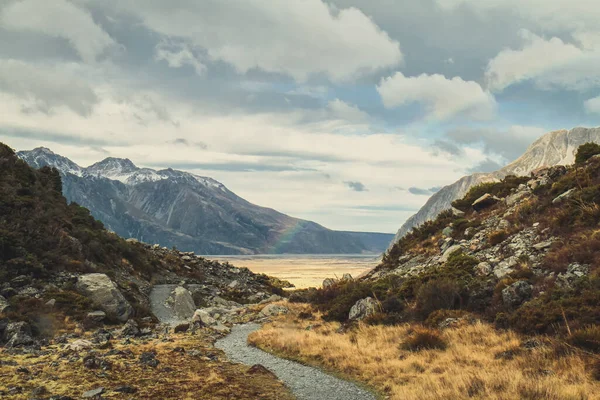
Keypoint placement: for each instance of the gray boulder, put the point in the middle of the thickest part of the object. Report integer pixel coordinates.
(566, 195)
(17, 334)
(105, 295)
(362, 309)
(96, 316)
(449, 251)
(272, 310)
(485, 201)
(483, 269)
(517, 293)
(182, 303)
(328, 283)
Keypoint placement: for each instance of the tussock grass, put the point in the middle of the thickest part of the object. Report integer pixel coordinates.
(468, 368)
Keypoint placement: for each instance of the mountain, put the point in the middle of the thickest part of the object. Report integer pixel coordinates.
(190, 212)
(554, 148)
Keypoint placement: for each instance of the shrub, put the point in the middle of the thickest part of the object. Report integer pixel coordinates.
(587, 338)
(586, 151)
(439, 316)
(497, 237)
(439, 294)
(424, 339)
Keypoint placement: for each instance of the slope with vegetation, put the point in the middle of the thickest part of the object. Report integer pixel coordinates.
(513, 259)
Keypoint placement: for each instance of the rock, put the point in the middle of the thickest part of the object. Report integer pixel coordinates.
(272, 310)
(149, 359)
(258, 369)
(505, 267)
(90, 394)
(217, 300)
(204, 317)
(79, 345)
(17, 334)
(181, 327)
(362, 309)
(4, 305)
(515, 294)
(347, 278)
(219, 327)
(186, 258)
(125, 389)
(503, 224)
(470, 231)
(272, 299)
(446, 244)
(50, 303)
(130, 329)
(566, 195)
(483, 269)
(104, 294)
(182, 303)
(328, 283)
(484, 201)
(515, 198)
(234, 284)
(456, 212)
(96, 316)
(542, 245)
(449, 322)
(449, 251)
(447, 231)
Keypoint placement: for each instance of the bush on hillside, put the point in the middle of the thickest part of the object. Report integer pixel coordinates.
(424, 339)
(438, 294)
(585, 152)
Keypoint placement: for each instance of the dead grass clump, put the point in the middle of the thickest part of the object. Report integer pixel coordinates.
(497, 237)
(424, 339)
(587, 338)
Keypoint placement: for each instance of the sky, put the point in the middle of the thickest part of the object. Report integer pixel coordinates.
(350, 113)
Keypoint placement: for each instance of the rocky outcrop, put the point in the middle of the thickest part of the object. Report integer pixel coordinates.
(362, 309)
(516, 294)
(105, 295)
(554, 148)
(273, 310)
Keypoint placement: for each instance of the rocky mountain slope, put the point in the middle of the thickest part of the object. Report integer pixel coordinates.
(554, 148)
(190, 212)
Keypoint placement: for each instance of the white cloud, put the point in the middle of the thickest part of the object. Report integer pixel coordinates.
(46, 87)
(593, 105)
(297, 38)
(538, 56)
(58, 18)
(342, 110)
(177, 55)
(442, 97)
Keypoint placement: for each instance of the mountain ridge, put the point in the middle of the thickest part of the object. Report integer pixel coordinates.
(192, 212)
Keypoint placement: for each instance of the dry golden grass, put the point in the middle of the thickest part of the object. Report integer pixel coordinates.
(178, 376)
(474, 364)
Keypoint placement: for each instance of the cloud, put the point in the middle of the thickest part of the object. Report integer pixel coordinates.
(487, 165)
(422, 192)
(60, 19)
(509, 143)
(298, 38)
(46, 87)
(537, 57)
(342, 110)
(356, 186)
(446, 147)
(442, 97)
(177, 55)
(592, 106)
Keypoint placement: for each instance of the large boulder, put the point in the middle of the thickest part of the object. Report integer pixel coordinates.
(182, 303)
(362, 309)
(272, 310)
(449, 251)
(485, 201)
(515, 294)
(566, 195)
(17, 334)
(328, 283)
(105, 295)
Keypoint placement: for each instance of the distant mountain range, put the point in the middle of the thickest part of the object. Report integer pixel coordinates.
(553, 148)
(192, 213)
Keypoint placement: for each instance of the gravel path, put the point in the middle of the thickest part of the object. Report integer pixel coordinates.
(158, 297)
(306, 383)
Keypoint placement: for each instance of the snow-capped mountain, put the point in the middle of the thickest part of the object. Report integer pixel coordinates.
(193, 213)
(553, 148)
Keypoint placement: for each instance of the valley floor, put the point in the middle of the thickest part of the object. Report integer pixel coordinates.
(473, 360)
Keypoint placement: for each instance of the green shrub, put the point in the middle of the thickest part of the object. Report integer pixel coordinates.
(424, 339)
(586, 151)
(438, 294)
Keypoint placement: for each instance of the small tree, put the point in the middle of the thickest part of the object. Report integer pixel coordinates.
(585, 152)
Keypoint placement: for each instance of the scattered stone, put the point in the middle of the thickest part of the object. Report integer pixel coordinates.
(543, 245)
(515, 198)
(4, 305)
(566, 195)
(456, 212)
(272, 310)
(90, 394)
(449, 252)
(125, 389)
(17, 334)
(130, 329)
(39, 392)
(104, 293)
(517, 293)
(505, 267)
(96, 316)
(483, 269)
(328, 283)
(272, 299)
(149, 359)
(79, 345)
(50, 303)
(204, 317)
(362, 309)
